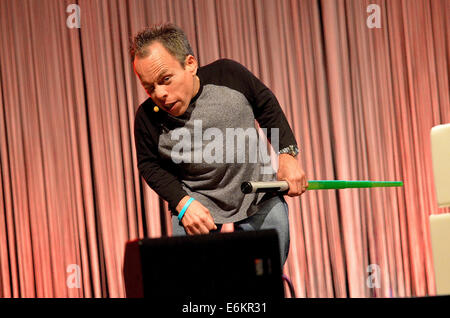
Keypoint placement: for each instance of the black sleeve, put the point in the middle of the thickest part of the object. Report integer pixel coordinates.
(265, 105)
(151, 168)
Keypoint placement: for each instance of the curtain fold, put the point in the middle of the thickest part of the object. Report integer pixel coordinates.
(361, 102)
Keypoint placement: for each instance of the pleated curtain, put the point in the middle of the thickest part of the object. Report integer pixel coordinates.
(360, 100)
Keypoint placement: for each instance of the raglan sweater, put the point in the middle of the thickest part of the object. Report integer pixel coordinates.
(209, 150)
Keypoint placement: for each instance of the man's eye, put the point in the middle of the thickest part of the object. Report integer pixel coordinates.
(166, 79)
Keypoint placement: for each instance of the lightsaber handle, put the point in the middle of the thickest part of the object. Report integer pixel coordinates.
(270, 186)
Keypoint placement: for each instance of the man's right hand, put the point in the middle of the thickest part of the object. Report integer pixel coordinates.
(196, 219)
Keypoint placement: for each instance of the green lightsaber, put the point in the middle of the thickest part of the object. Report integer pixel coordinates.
(281, 186)
(342, 184)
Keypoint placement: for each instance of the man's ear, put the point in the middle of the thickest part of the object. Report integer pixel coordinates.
(191, 64)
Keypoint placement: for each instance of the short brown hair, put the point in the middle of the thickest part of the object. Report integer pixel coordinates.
(169, 35)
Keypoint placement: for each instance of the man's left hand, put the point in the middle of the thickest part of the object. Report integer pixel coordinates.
(290, 171)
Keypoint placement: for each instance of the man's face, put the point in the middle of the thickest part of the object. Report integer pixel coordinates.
(170, 86)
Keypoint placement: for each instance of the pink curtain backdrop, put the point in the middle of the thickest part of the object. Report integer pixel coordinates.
(361, 102)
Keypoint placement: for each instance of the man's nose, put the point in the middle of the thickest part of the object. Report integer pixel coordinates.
(160, 93)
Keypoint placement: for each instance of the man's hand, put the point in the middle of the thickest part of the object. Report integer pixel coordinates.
(196, 219)
(290, 171)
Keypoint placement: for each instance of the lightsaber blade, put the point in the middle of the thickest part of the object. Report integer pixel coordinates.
(282, 186)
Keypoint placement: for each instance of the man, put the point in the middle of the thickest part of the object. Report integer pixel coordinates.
(201, 186)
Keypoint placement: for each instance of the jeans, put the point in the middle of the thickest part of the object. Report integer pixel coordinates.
(273, 214)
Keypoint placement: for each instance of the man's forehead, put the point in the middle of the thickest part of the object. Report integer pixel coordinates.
(150, 69)
(158, 61)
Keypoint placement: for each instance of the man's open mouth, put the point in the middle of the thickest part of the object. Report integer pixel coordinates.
(168, 107)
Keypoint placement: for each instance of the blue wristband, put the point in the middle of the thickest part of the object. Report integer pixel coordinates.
(186, 205)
